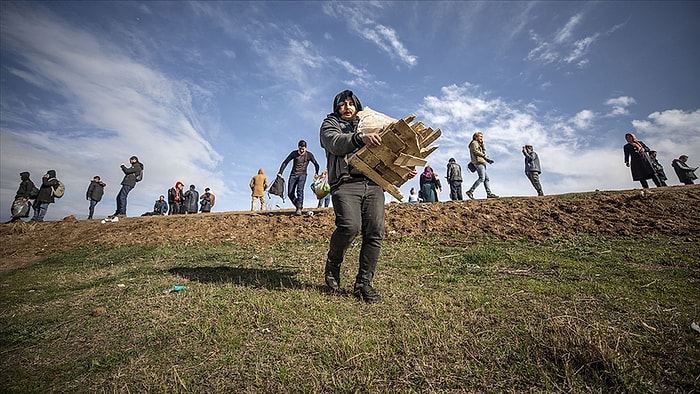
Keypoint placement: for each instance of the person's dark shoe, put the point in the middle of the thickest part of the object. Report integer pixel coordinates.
(470, 195)
(121, 215)
(491, 195)
(332, 277)
(332, 283)
(298, 212)
(366, 293)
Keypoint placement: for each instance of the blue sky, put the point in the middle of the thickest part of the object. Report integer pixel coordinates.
(207, 93)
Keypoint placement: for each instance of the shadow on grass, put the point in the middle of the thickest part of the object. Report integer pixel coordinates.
(271, 279)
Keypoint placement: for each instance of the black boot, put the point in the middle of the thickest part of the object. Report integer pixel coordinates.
(332, 276)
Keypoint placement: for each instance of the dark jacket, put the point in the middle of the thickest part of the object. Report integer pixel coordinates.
(532, 162)
(429, 188)
(191, 200)
(454, 172)
(130, 174)
(205, 201)
(48, 182)
(685, 173)
(95, 191)
(160, 207)
(659, 169)
(341, 139)
(301, 163)
(25, 187)
(639, 161)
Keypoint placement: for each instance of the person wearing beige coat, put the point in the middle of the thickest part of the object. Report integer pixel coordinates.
(258, 185)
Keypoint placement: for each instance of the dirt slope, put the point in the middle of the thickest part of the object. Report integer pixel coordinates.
(668, 210)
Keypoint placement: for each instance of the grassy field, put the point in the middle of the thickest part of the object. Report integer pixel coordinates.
(587, 314)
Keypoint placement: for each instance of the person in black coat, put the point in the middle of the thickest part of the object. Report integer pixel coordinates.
(637, 159)
(686, 173)
(24, 194)
(94, 193)
(45, 196)
(191, 200)
(132, 175)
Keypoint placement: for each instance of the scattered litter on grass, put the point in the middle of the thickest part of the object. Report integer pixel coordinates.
(121, 285)
(175, 288)
(695, 327)
(99, 311)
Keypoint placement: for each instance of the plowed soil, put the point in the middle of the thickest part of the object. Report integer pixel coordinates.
(667, 210)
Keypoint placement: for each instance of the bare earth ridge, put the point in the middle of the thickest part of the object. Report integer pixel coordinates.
(666, 210)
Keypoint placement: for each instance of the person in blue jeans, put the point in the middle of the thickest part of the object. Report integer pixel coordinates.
(94, 194)
(131, 175)
(297, 177)
(358, 202)
(479, 158)
(45, 196)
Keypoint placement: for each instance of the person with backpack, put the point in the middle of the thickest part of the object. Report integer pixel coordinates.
(207, 201)
(132, 175)
(297, 177)
(26, 191)
(49, 183)
(94, 194)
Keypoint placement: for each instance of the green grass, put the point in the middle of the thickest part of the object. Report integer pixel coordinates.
(587, 314)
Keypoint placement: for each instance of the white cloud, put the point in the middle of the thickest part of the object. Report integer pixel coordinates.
(118, 108)
(361, 17)
(619, 105)
(671, 133)
(571, 161)
(583, 119)
(564, 46)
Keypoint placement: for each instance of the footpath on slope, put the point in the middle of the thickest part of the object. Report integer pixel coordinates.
(666, 210)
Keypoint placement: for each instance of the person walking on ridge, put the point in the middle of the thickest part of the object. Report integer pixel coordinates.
(297, 177)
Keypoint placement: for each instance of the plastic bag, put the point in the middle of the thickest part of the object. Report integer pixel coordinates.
(320, 187)
(372, 121)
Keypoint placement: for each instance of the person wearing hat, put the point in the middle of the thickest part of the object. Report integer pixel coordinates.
(297, 177)
(132, 175)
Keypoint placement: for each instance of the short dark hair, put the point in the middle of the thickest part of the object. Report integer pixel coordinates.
(302, 143)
